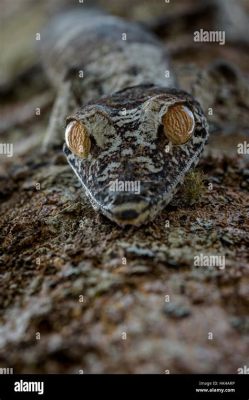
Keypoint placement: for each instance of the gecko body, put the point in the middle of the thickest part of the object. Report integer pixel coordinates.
(127, 123)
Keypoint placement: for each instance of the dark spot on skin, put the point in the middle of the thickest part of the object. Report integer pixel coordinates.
(133, 70)
(201, 133)
(128, 215)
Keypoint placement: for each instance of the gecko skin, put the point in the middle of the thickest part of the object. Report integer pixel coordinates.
(121, 100)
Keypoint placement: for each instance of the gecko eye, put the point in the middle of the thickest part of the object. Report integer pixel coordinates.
(178, 124)
(77, 139)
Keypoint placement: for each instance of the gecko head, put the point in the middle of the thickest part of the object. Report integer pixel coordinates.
(130, 150)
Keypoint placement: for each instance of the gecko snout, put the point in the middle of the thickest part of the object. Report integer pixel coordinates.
(129, 209)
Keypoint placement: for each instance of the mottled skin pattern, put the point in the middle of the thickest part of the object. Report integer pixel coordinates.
(124, 94)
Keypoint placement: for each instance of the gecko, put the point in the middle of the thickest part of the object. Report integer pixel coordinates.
(125, 121)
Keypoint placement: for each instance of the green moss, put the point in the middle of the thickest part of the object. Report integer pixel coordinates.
(193, 187)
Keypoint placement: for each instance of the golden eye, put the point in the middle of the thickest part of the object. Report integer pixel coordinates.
(178, 123)
(77, 139)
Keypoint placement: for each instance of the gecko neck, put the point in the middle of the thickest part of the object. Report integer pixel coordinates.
(136, 64)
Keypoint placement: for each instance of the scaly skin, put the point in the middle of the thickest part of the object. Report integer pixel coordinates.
(123, 97)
